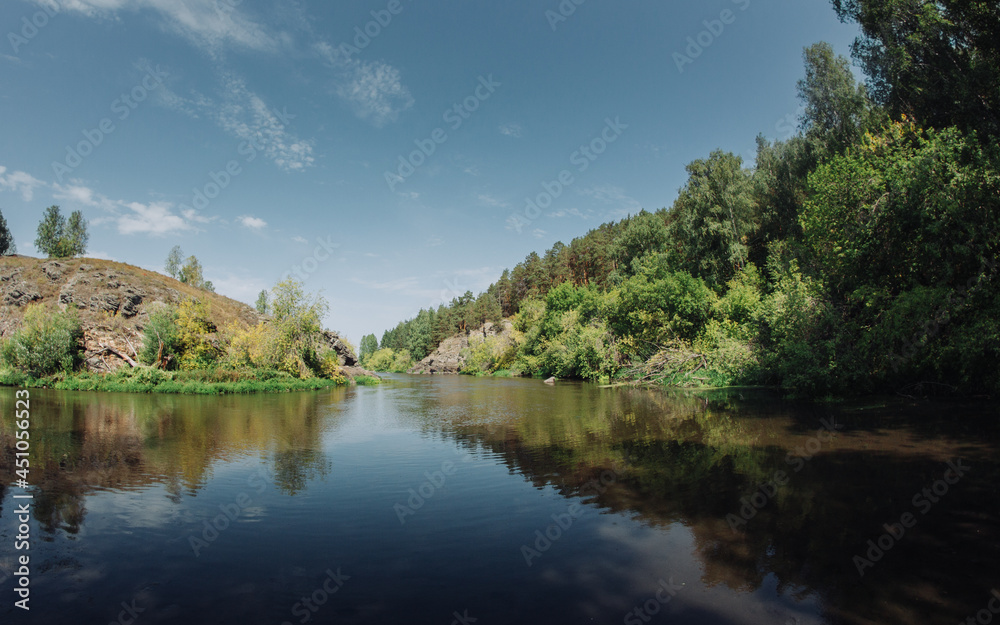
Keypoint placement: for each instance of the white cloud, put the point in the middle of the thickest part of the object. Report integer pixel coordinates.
(571, 212)
(254, 223)
(301, 240)
(374, 90)
(155, 218)
(86, 196)
(208, 25)
(489, 200)
(392, 286)
(20, 182)
(538, 233)
(511, 130)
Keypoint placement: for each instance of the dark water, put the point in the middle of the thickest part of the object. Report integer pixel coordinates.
(429, 499)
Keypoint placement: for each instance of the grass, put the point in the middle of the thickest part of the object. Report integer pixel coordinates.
(217, 381)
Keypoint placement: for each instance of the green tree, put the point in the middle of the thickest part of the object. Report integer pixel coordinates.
(7, 246)
(936, 61)
(161, 343)
(48, 341)
(191, 273)
(262, 303)
(369, 345)
(713, 218)
(835, 104)
(59, 239)
(174, 260)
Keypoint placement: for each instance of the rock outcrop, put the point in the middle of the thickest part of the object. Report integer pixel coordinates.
(115, 301)
(448, 358)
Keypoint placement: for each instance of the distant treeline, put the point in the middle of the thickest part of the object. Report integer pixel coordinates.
(857, 256)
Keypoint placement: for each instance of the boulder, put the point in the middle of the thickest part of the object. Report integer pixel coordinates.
(449, 358)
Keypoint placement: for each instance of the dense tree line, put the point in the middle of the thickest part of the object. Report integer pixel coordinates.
(858, 255)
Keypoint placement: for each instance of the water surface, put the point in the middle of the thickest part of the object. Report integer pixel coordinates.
(507, 500)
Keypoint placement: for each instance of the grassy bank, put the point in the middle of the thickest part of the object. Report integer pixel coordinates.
(200, 382)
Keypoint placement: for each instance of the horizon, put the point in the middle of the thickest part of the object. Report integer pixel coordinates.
(272, 140)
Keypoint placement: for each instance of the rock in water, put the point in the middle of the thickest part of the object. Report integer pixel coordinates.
(550, 381)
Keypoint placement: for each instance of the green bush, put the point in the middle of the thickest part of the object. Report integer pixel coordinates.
(48, 342)
(161, 329)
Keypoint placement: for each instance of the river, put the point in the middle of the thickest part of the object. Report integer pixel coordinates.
(463, 500)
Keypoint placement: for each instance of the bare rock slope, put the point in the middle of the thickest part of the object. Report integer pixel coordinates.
(448, 358)
(115, 301)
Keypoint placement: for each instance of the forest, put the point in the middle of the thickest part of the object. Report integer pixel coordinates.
(857, 256)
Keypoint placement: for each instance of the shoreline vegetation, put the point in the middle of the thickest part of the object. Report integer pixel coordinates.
(117, 328)
(858, 256)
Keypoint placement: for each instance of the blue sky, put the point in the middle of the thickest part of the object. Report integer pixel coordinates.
(383, 149)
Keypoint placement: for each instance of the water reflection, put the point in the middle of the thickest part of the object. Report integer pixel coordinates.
(662, 477)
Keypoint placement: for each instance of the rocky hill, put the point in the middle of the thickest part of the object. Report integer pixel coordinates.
(448, 358)
(115, 301)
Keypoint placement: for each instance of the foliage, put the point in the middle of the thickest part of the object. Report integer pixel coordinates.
(936, 61)
(386, 359)
(858, 255)
(48, 341)
(198, 350)
(58, 238)
(174, 260)
(262, 304)
(7, 246)
(161, 344)
(369, 345)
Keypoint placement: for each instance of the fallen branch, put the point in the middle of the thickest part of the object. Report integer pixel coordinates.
(114, 352)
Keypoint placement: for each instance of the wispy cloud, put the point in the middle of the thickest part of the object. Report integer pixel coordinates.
(154, 218)
(300, 240)
(373, 89)
(616, 196)
(209, 25)
(392, 286)
(571, 212)
(538, 233)
(20, 182)
(489, 200)
(511, 130)
(254, 223)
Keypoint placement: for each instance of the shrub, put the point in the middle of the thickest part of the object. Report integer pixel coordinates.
(48, 342)
(161, 331)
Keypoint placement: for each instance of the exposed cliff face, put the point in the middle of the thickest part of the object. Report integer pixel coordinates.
(115, 301)
(448, 358)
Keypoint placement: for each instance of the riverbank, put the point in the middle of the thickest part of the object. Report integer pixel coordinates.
(201, 382)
